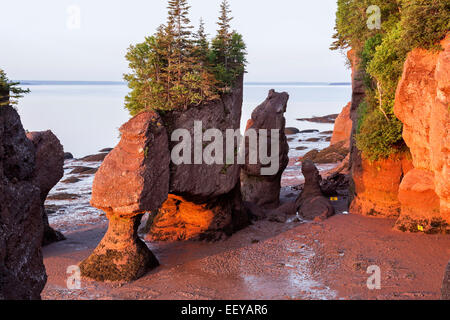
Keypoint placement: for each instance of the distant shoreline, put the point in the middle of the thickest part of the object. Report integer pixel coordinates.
(118, 83)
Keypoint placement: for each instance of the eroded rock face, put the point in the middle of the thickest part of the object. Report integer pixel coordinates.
(311, 203)
(48, 171)
(343, 127)
(446, 284)
(181, 219)
(22, 272)
(420, 204)
(264, 190)
(203, 201)
(377, 184)
(199, 180)
(132, 180)
(421, 103)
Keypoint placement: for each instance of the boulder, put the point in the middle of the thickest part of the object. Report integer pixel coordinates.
(132, 180)
(22, 271)
(264, 190)
(343, 127)
(68, 156)
(291, 131)
(203, 202)
(376, 185)
(332, 154)
(48, 171)
(311, 203)
(446, 284)
(421, 104)
(95, 157)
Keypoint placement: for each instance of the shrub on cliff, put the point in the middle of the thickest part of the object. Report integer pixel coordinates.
(176, 68)
(406, 24)
(10, 92)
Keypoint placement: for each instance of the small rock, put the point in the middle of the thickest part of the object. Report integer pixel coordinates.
(291, 130)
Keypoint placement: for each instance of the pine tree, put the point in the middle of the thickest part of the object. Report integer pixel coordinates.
(9, 90)
(177, 68)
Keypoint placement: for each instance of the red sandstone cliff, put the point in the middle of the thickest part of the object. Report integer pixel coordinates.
(422, 104)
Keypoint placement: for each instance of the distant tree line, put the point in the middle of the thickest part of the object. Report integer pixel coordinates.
(405, 25)
(179, 68)
(10, 92)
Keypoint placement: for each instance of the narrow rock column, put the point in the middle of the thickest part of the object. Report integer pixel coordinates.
(264, 190)
(121, 255)
(132, 180)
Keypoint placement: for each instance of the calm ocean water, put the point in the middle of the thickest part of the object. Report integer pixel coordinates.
(86, 117)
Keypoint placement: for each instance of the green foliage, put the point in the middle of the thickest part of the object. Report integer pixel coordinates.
(424, 23)
(10, 92)
(176, 68)
(406, 24)
(379, 137)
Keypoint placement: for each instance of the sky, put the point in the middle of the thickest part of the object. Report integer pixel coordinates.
(287, 40)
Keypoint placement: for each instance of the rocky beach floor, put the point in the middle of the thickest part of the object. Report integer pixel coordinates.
(271, 259)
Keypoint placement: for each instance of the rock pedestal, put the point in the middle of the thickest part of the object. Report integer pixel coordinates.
(257, 188)
(311, 203)
(121, 255)
(22, 271)
(133, 179)
(48, 171)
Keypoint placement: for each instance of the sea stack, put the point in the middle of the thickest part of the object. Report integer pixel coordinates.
(133, 179)
(22, 271)
(48, 171)
(257, 188)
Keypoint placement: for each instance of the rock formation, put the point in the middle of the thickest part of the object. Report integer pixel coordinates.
(264, 190)
(22, 272)
(203, 203)
(446, 284)
(48, 171)
(421, 103)
(311, 203)
(376, 186)
(132, 180)
(343, 127)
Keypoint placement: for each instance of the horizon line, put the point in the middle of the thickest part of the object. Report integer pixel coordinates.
(101, 82)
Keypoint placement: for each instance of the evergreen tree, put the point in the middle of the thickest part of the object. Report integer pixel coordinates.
(228, 51)
(9, 90)
(177, 68)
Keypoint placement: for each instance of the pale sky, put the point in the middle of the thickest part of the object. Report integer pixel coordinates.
(287, 40)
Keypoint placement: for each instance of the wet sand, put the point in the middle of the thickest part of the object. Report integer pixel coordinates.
(270, 260)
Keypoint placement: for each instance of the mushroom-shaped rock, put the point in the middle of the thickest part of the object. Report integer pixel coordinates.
(48, 171)
(133, 179)
(257, 186)
(311, 204)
